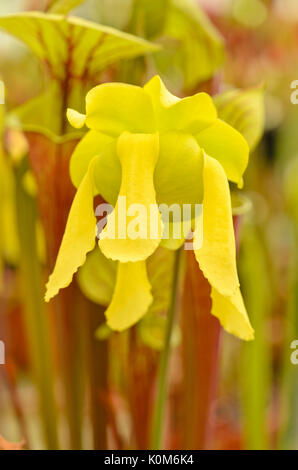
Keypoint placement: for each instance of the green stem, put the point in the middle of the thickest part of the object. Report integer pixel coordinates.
(288, 434)
(162, 377)
(255, 359)
(35, 315)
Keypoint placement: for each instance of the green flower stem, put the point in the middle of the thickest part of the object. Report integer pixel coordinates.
(256, 358)
(288, 433)
(35, 315)
(162, 377)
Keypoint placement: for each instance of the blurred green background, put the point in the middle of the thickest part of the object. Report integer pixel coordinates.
(214, 46)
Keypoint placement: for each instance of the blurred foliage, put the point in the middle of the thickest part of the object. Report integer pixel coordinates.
(192, 49)
(244, 110)
(238, 50)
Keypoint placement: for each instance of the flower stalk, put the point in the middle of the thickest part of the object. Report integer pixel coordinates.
(35, 314)
(163, 371)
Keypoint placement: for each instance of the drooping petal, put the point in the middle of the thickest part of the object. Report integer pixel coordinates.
(232, 314)
(78, 239)
(228, 146)
(113, 108)
(190, 115)
(91, 145)
(97, 278)
(217, 256)
(134, 228)
(131, 298)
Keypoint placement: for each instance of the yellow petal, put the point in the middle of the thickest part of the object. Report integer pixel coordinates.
(161, 97)
(190, 114)
(217, 256)
(131, 298)
(228, 146)
(128, 234)
(76, 119)
(92, 144)
(78, 239)
(232, 314)
(112, 108)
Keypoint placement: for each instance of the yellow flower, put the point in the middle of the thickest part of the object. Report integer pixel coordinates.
(153, 148)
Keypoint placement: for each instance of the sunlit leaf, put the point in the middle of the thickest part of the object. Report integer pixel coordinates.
(244, 110)
(71, 46)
